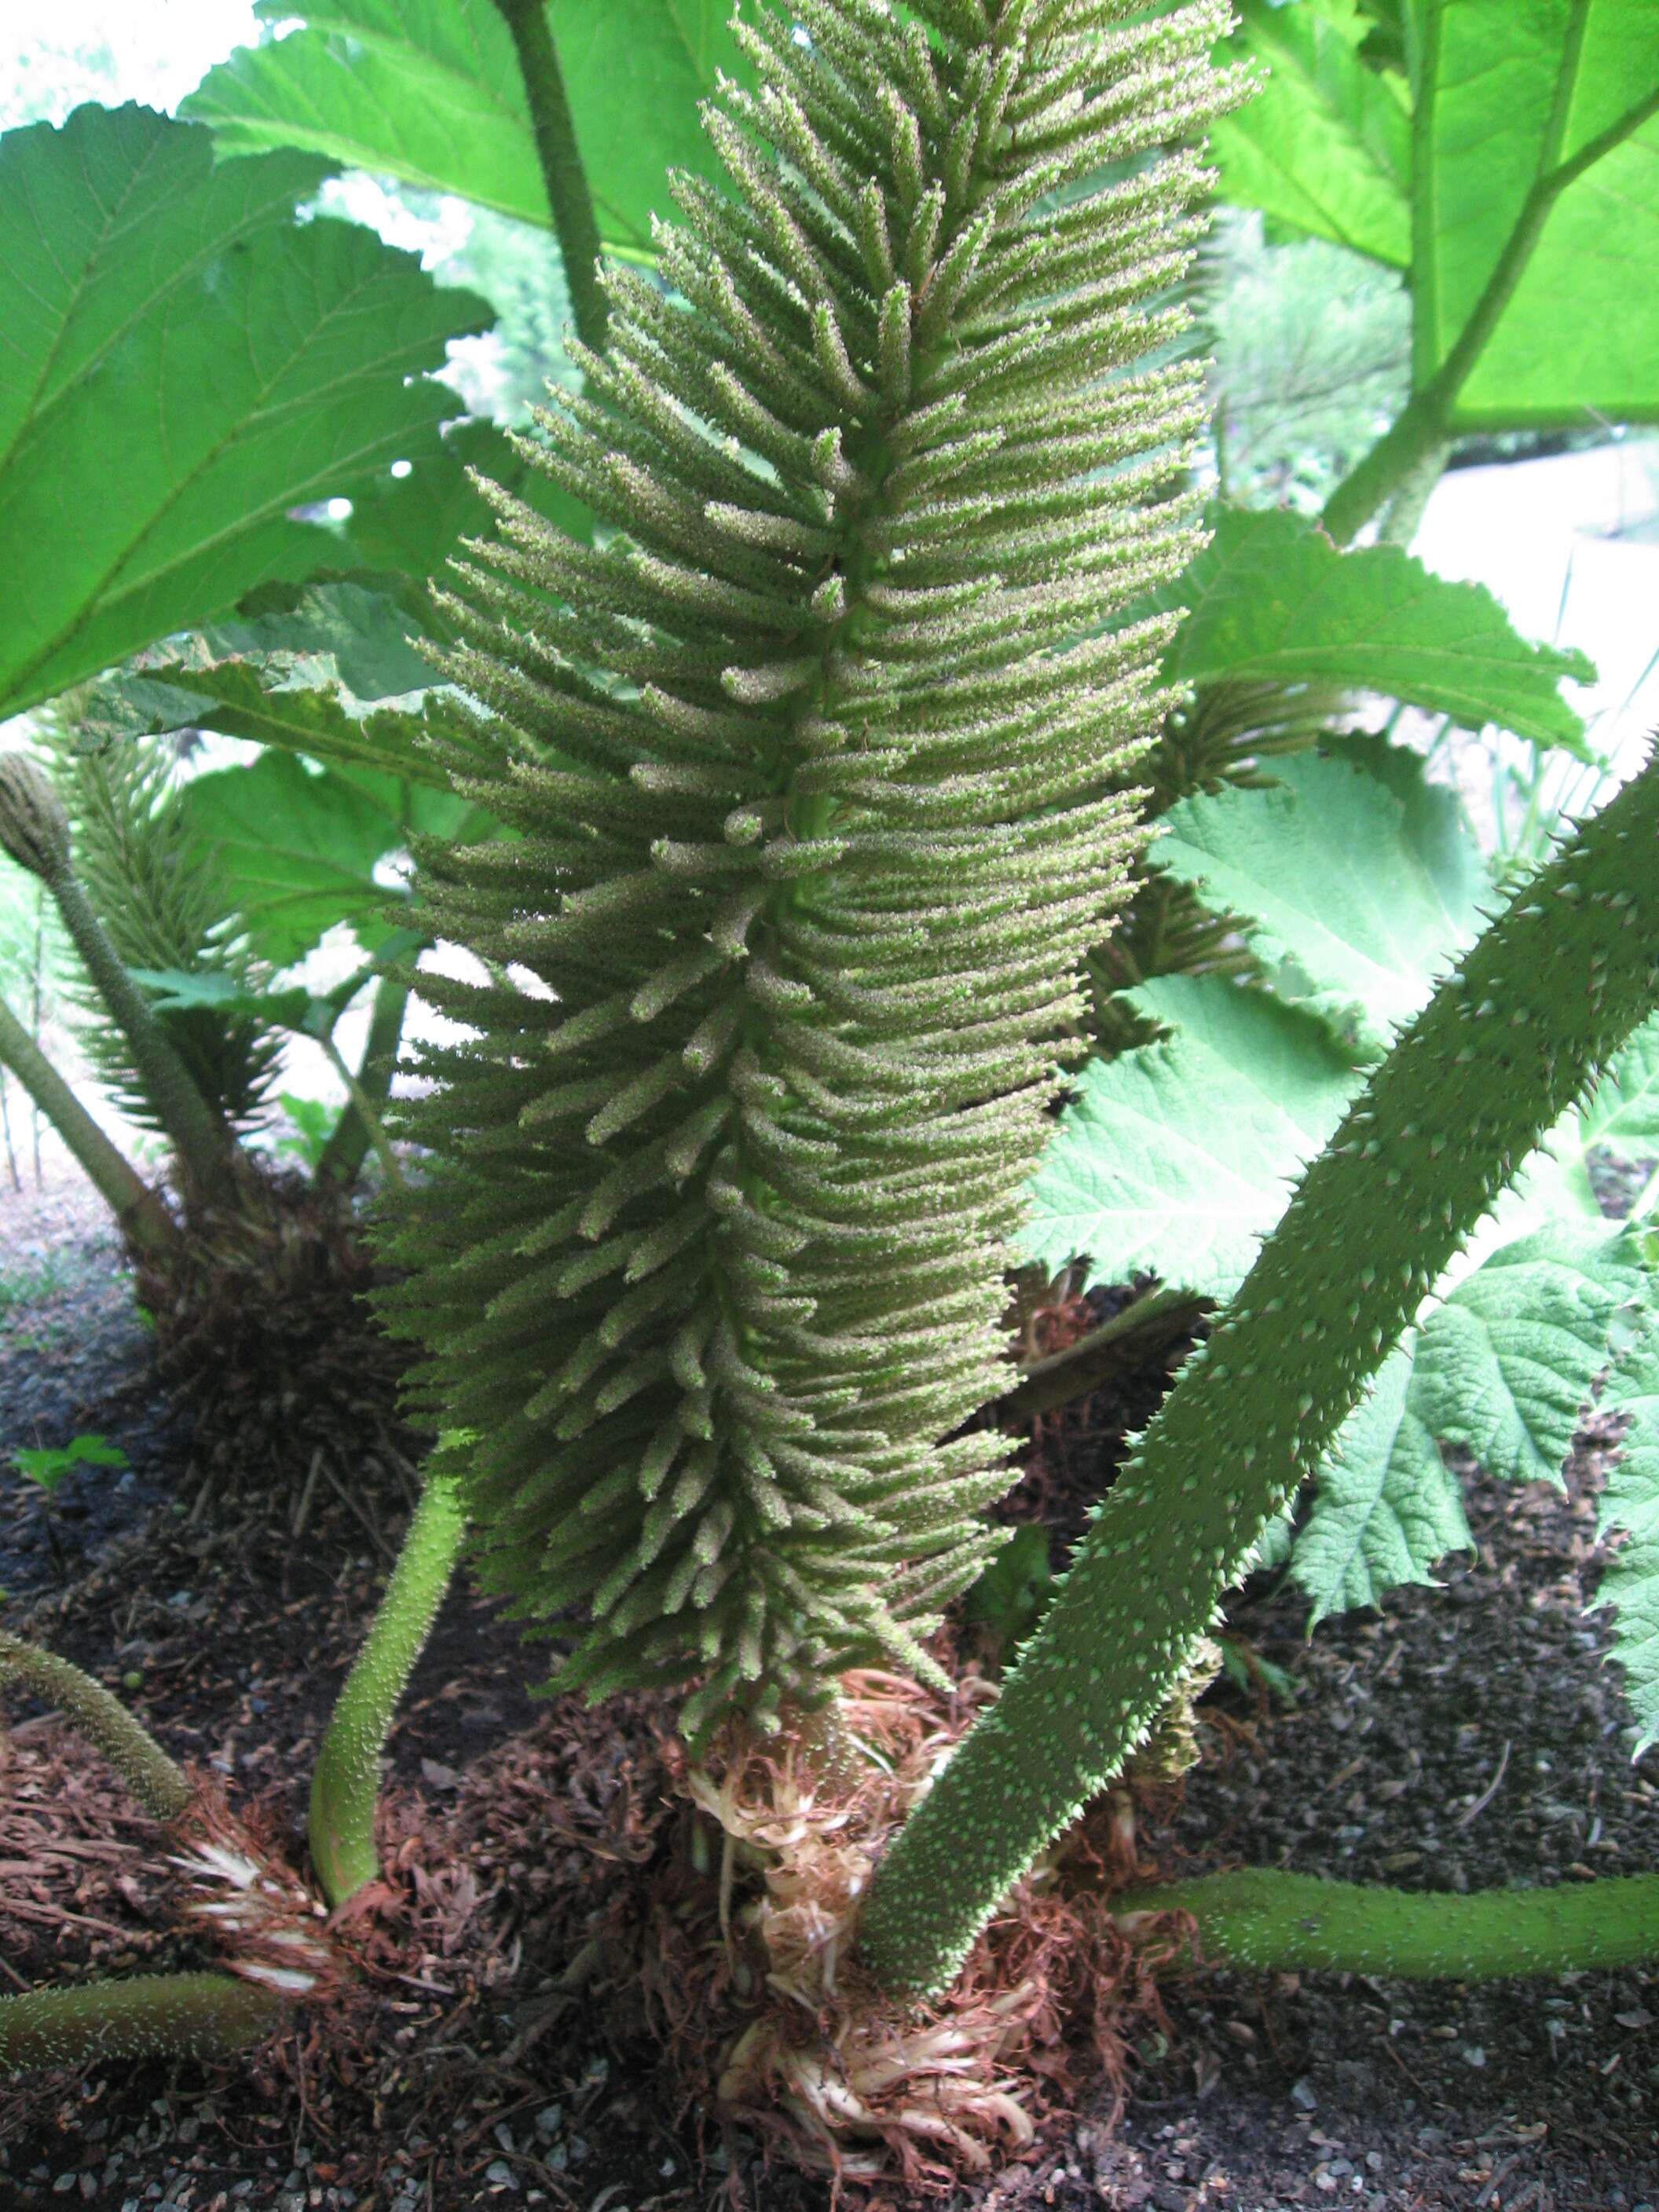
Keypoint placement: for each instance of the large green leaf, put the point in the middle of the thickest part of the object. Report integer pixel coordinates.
(1356, 895)
(1536, 135)
(231, 699)
(429, 91)
(1325, 146)
(1175, 1157)
(1631, 1503)
(1387, 1507)
(284, 1006)
(182, 365)
(289, 1006)
(1272, 598)
(1502, 1366)
(359, 630)
(413, 522)
(297, 849)
(1506, 1363)
(1511, 95)
(370, 629)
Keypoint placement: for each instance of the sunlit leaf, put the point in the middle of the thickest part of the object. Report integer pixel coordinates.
(1386, 1509)
(429, 91)
(1535, 143)
(1513, 95)
(181, 364)
(297, 851)
(1271, 598)
(1357, 895)
(1508, 1361)
(1325, 146)
(1176, 1158)
(231, 698)
(1630, 1502)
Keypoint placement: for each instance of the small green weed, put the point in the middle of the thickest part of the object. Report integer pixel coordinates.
(49, 1465)
(1247, 1670)
(312, 1124)
(32, 1279)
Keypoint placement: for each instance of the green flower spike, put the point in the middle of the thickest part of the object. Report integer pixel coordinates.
(818, 761)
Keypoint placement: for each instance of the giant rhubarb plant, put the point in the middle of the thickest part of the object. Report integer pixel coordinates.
(818, 763)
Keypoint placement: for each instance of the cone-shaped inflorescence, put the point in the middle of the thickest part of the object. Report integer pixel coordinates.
(152, 884)
(35, 831)
(818, 766)
(1506, 1044)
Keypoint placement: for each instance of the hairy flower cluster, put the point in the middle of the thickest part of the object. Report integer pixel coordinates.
(152, 884)
(815, 760)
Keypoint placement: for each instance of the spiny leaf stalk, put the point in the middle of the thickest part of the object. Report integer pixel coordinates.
(345, 1786)
(1506, 1044)
(1263, 1918)
(159, 1785)
(817, 760)
(203, 2016)
(144, 1219)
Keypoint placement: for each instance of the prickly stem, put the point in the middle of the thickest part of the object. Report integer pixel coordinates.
(160, 1786)
(345, 1786)
(1504, 1046)
(1260, 1916)
(152, 2016)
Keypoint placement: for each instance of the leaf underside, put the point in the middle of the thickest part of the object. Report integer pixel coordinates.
(184, 365)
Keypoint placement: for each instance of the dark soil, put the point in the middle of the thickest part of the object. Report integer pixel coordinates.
(1466, 1736)
(75, 1360)
(1462, 1736)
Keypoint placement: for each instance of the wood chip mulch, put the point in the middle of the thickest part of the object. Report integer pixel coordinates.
(1457, 1737)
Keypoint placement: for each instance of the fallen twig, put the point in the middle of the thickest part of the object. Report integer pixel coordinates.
(1148, 1324)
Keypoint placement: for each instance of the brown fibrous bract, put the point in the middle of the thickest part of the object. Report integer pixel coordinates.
(264, 1339)
(242, 1891)
(702, 1913)
(744, 1963)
